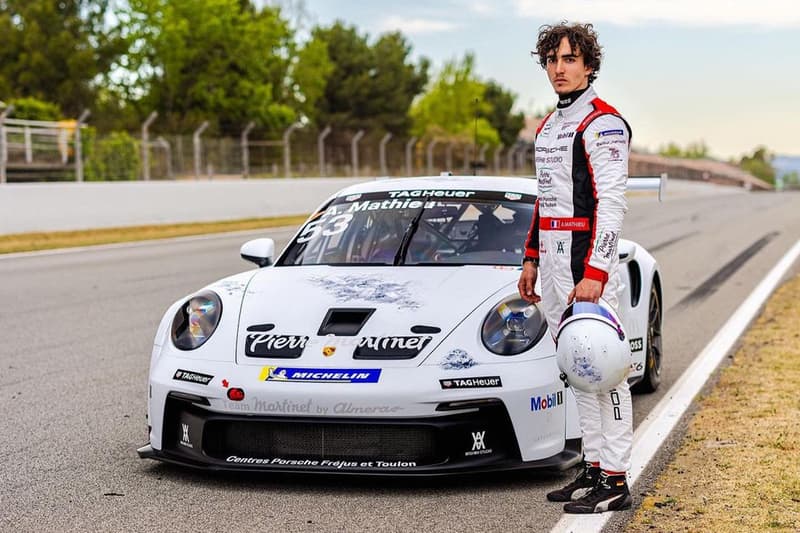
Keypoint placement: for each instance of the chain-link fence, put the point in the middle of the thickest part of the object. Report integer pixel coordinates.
(313, 152)
(68, 150)
(31, 150)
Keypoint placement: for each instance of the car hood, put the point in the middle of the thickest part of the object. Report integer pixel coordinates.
(290, 315)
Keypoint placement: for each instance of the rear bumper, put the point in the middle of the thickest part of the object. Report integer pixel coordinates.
(480, 438)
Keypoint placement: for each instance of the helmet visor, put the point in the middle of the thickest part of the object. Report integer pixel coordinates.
(593, 310)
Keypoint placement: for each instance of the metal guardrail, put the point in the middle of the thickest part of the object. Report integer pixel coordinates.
(39, 145)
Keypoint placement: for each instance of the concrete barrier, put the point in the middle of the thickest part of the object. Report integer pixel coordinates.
(29, 207)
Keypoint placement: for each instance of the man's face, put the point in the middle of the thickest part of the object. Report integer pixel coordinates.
(566, 70)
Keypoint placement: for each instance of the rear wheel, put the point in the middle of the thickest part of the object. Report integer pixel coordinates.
(652, 372)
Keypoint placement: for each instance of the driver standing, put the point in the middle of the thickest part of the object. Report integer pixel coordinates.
(581, 169)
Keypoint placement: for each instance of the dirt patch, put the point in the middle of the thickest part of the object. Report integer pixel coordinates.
(738, 467)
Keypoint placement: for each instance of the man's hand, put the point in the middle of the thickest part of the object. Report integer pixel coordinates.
(527, 282)
(587, 290)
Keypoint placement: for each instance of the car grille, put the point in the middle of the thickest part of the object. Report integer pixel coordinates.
(322, 440)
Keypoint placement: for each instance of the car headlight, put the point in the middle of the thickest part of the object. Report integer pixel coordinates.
(196, 321)
(513, 326)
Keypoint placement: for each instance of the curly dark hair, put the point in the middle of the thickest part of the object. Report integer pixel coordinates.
(582, 38)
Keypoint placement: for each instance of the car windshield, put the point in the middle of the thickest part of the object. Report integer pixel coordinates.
(415, 227)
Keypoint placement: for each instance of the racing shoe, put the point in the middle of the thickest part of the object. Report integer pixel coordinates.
(610, 494)
(585, 482)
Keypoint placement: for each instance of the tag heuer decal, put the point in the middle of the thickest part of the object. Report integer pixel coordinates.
(192, 377)
(471, 383)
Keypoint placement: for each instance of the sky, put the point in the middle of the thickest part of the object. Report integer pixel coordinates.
(726, 72)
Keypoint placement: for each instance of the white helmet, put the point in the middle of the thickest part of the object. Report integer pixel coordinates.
(591, 347)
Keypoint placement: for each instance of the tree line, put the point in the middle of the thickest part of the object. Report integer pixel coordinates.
(231, 62)
(234, 61)
(759, 163)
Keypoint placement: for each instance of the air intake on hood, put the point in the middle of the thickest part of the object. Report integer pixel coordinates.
(344, 321)
(425, 329)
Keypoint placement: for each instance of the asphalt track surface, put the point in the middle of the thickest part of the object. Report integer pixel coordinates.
(77, 331)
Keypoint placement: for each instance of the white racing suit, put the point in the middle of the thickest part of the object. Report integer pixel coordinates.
(582, 167)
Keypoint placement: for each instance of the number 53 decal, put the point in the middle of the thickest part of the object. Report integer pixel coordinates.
(325, 227)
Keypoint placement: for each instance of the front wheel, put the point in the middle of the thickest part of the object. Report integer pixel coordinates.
(652, 372)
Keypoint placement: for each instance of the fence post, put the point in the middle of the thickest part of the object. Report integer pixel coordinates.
(63, 145)
(146, 146)
(3, 143)
(467, 157)
(354, 151)
(482, 154)
(430, 156)
(448, 157)
(496, 157)
(321, 149)
(79, 146)
(163, 143)
(197, 148)
(28, 144)
(382, 150)
(246, 150)
(510, 158)
(410, 146)
(287, 150)
(531, 155)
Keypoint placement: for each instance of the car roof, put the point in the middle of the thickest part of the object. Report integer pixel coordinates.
(462, 183)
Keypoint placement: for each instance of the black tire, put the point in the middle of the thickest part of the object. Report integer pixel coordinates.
(652, 371)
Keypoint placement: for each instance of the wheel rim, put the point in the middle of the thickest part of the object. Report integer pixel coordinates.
(654, 336)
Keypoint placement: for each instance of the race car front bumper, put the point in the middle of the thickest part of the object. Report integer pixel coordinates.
(466, 437)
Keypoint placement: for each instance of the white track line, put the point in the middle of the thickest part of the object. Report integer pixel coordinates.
(657, 426)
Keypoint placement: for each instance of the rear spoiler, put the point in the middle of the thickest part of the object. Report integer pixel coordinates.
(649, 183)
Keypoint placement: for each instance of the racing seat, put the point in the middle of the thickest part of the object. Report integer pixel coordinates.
(490, 229)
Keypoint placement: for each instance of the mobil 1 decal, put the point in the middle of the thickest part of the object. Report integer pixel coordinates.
(547, 401)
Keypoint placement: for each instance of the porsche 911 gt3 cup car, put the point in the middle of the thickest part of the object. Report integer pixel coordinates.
(387, 338)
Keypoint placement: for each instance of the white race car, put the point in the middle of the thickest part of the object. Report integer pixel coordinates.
(387, 338)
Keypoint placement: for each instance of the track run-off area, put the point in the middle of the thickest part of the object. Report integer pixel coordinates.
(77, 333)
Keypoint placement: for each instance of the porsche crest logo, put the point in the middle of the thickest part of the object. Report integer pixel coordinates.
(328, 351)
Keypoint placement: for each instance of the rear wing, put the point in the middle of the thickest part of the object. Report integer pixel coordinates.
(649, 183)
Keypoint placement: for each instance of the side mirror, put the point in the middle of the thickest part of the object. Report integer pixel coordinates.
(627, 251)
(259, 251)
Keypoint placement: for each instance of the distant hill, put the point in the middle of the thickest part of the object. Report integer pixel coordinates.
(784, 164)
